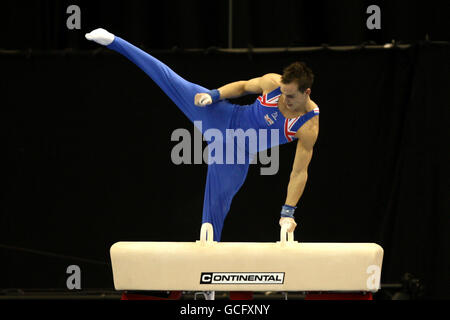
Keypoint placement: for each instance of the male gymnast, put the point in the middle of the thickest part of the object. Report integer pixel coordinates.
(284, 104)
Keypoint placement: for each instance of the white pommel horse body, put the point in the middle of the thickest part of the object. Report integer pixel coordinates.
(284, 266)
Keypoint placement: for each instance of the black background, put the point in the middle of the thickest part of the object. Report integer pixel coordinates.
(86, 134)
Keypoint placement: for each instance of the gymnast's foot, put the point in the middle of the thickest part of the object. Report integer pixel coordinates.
(101, 36)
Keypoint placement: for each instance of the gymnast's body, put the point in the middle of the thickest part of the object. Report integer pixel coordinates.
(284, 104)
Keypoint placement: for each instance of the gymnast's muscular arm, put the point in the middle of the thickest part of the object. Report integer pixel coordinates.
(307, 136)
(237, 89)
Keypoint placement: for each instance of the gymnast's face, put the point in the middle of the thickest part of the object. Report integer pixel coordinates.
(293, 98)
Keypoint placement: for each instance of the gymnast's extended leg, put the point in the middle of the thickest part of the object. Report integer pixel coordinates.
(179, 90)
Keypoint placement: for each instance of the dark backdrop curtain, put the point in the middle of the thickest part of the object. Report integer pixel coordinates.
(86, 147)
(202, 24)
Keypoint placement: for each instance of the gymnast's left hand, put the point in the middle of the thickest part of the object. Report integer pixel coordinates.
(202, 99)
(290, 222)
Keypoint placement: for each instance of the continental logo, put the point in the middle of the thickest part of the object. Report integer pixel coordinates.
(242, 278)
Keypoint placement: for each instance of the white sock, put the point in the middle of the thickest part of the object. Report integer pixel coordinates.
(101, 36)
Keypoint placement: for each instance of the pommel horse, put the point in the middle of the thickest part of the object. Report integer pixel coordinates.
(340, 270)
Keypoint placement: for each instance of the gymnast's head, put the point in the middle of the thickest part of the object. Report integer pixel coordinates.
(296, 83)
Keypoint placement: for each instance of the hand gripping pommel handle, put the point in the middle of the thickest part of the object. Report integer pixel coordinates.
(285, 236)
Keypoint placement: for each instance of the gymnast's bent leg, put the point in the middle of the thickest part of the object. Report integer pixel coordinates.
(223, 181)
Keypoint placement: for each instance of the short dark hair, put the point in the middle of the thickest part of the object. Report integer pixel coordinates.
(300, 73)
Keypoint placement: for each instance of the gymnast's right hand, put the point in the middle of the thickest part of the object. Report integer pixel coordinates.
(202, 99)
(101, 36)
(289, 222)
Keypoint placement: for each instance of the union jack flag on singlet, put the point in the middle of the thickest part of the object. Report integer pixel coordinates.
(288, 126)
(291, 126)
